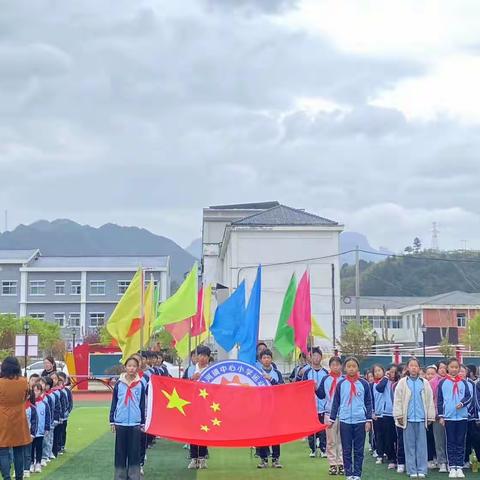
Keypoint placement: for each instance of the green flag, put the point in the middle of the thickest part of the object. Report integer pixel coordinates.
(284, 338)
(182, 304)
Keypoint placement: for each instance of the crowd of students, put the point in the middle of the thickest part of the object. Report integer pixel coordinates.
(47, 407)
(416, 418)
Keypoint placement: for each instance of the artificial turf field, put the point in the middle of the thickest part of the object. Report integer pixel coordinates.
(90, 457)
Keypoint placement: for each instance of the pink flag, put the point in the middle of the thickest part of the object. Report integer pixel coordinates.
(198, 321)
(301, 317)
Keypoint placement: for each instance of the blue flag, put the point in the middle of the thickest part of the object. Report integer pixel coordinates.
(228, 318)
(247, 336)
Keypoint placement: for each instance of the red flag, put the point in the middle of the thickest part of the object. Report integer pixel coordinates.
(209, 414)
(301, 317)
(198, 321)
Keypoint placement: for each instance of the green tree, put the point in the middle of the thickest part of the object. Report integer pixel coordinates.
(357, 339)
(446, 348)
(417, 245)
(471, 337)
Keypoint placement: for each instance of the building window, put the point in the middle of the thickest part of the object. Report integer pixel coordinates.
(76, 287)
(37, 316)
(9, 287)
(59, 287)
(97, 287)
(461, 320)
(59, 319)
(97, 319)
(147, 283)
(122, 286)
(74, 319)
(37, 287)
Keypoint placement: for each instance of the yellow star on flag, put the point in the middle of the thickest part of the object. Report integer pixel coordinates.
(216, 422)
(203, 393)
(215, 407)
(174, 401)
(204, 428)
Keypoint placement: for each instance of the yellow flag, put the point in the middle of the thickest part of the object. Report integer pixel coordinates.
(317, 330)
(126, 318)
(182, 348)
(149, 310)
(207, 312)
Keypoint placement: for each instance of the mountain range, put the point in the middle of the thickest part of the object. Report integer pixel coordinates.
(65, 237)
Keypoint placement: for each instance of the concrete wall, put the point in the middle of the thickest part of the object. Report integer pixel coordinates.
(10, 304)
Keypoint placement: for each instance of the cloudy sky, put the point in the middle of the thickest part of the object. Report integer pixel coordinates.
(143, 112)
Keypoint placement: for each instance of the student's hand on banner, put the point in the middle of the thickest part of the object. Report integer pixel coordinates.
(195, 376)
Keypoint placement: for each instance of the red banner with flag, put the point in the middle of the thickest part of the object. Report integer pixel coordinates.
(231, 416)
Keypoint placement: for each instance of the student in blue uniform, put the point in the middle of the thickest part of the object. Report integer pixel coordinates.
(127, 419)
(352, 405)
(315, 372)
(378, 401)
(389, 432)
(274, 377)
(472, 414)
(32, 420)
(43, 425)
(47, 454)
(414, 410)
(453, 399)
(190, 370)
(326, 391)
(302, 363)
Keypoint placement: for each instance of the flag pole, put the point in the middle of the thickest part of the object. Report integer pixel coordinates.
(142, 310)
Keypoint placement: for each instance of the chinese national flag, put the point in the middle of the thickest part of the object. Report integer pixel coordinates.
(216, 415)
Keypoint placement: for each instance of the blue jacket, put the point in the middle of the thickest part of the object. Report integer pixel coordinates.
(378, 400)
(57, 408)
(472, 406)
(447, 400)
(323, 391)
(43, 417)
(51, 405)
(316, 375)
(68, 392)
(277, 378)
(64, 404)
(128, 413)
(32, 418)
(385, 388)
(189, 371)
(355, 410)
(415, 409)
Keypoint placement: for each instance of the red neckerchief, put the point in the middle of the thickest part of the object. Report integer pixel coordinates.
(456, 380)
(28, 404)
(375, 381)
(353, 387)
(39, 399)
(334, 383)
(129, 394)
(140, 373)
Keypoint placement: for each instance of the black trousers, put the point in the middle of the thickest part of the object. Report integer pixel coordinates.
(143, 447)
(264, 452)
(390, 439)
(353, 443)
(127, 453)
(456, 433)
(57, 435)
(37, 448)
(63, 435)
(6, 462)
(312, 439)
(400, 451)
(198, 451)
(473, 440)
(379, 434)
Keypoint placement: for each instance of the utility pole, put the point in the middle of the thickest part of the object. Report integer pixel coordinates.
(385, 324)
(357, 285)
(334, 330)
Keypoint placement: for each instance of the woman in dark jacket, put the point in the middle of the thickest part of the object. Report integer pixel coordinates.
(49, 365)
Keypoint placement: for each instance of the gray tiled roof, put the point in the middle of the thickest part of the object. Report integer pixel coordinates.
(283, 215)
(102, 262)
(246, 206)
(449, 298)
(16, 256)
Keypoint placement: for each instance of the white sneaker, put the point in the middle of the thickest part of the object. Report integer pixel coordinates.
(378, 461)
(52, 457)
(453, 473)
(202, 463)
(391, 466)
(312, 455)
(443, 468)
(432, 465)
(32, 468)
(26, 474)
(413, 475)
(374, 454)
(43, 463)
(421, 475)
(142, 471)
(193, 465)
(38, 468)
(400, 468)
(466, 465)
(460, 473)
(323, 454)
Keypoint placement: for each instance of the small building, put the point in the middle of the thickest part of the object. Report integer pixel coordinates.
(403, 319)
(284, 240)
(76, 292)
